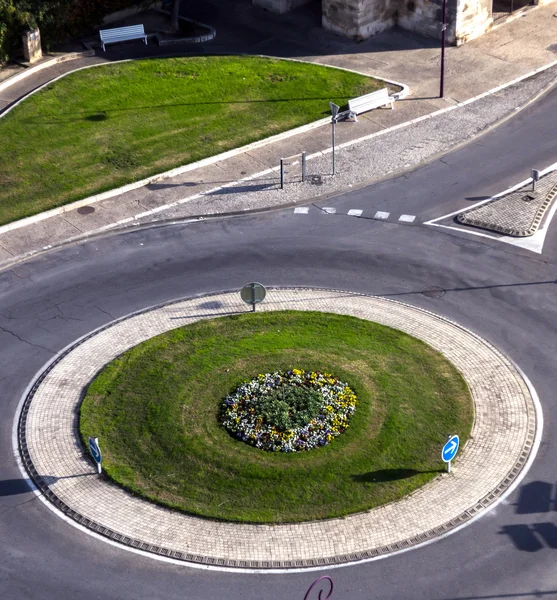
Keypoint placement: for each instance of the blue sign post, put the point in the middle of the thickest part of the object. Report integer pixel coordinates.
(449, 450)
(96, 452)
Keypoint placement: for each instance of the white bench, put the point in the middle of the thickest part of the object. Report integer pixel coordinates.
(368, 102)
(122, 34)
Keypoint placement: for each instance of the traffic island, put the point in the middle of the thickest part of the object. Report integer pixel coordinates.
(519, 213)
(505, 417)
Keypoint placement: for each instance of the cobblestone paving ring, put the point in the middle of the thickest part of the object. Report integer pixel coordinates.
(504, 438)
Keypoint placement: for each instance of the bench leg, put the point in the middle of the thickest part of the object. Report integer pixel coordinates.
(145, 40)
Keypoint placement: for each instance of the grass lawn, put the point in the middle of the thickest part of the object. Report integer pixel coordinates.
(155, 411)
(104, 127)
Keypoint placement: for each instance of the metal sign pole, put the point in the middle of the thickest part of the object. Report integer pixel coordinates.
(282, 173)
(303, 166)
(333, 135)
(253, 296)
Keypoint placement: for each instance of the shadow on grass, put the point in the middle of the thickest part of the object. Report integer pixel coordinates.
(386, 475)
(103, 115)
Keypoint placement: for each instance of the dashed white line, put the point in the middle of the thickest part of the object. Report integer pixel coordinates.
(407, 218)
(381, 215)
(301, 210)
(355, 212)
(329, 210)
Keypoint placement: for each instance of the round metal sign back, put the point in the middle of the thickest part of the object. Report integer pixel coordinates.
(252, 293)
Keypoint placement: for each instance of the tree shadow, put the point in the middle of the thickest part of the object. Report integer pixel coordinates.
(386, 475)
(532, 538)
(535, 497)
(13, 487)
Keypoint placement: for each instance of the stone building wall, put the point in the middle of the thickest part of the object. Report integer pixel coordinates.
(359, 19)
(426, 17)
(280, 6)
(473, 19)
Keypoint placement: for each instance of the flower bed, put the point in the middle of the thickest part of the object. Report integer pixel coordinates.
(289, 411)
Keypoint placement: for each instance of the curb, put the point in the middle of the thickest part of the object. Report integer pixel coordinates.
(505, 486)
(536, 221)
(187, 40)
(48, 63)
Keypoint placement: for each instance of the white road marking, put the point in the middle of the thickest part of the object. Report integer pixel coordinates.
(407, 218)
(301, 210)
(381, 215)
(329, 210)
(355, 212)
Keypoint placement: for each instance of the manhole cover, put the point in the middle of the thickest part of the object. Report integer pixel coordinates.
(433, 291)
(86, 210)
(316, 180)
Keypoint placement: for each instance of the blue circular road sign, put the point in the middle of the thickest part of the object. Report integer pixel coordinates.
(450, 448)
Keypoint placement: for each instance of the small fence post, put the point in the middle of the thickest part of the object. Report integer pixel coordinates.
(304, 165)
(282, 173)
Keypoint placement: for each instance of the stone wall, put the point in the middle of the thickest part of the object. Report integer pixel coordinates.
(426, 17)
(473, 19)
(279, 6)
(359, 19)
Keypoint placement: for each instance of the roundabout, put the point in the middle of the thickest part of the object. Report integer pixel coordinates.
(505, 416)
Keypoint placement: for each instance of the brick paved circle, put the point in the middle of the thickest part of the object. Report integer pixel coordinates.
(502, 438)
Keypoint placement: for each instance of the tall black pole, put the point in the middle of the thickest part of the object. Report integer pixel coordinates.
(443, 31)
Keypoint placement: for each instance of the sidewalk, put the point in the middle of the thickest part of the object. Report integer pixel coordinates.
(505, 54)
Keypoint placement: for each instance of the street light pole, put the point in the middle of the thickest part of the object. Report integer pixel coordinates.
(443, 32)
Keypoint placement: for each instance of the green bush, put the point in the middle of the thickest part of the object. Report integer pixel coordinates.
(58, 20)
(289, 406)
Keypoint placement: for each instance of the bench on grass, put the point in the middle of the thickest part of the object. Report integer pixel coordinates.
(368, 102)
(122, 34)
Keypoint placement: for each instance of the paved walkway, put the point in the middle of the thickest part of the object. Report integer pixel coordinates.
(502, 55)
(499, 447)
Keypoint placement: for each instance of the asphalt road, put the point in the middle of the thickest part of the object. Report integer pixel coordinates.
(504, 294)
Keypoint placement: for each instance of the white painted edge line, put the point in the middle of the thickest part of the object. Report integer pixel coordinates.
(329, 210)
(301, 210)
(229, 154)
(534, 243)
(355, 212)
(61, 515)
(381, 215)
(407, 218)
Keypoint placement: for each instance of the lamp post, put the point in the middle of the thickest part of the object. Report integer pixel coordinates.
(443, 31)
(334, 113)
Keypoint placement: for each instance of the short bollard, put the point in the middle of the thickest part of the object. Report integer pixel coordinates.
(282, 173)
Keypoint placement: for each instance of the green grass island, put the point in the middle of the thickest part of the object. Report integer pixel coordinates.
(157, 411)
(103, 127)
